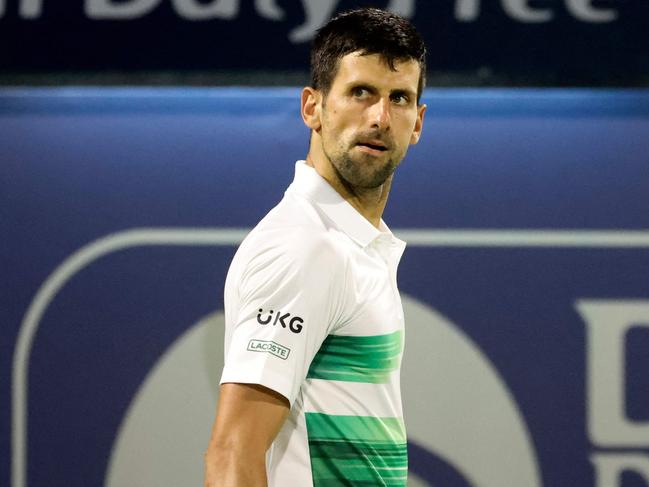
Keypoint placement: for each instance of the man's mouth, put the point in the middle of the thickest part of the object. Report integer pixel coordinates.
(374, 145)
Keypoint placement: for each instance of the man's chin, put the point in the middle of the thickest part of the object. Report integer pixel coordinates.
(365, 171)
(370, 179)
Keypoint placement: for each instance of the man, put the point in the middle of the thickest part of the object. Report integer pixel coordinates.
(310, 390)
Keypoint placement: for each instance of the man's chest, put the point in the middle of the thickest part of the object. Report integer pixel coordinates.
(374, 304)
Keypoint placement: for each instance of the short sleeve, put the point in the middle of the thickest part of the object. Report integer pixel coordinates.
(289, 298)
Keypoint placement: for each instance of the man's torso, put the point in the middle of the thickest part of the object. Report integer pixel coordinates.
(311, 265)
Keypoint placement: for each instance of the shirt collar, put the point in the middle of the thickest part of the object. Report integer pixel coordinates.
(315, 188)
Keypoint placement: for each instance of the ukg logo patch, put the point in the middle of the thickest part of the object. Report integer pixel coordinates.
(271, 347)
(294, 324)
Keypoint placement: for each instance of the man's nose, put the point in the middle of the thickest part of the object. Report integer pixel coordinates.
(380, 114)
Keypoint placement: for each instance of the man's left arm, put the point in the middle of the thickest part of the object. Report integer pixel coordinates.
(249, 418)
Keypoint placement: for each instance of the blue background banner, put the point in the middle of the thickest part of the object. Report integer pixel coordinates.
(525, 280)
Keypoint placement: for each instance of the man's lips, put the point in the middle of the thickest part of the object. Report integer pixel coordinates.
(376, 145)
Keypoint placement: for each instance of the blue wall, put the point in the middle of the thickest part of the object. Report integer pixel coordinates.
(551, 166)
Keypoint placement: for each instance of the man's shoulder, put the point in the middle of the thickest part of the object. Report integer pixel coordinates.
(297, 241)
(295, 231)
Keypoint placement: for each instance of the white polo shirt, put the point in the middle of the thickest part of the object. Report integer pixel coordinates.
(312, 311)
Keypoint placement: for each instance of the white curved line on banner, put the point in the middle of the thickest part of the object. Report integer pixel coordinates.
(526, 238)
(54, 283)
(230, 237)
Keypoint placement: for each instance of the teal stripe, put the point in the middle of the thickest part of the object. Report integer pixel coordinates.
(388, 456)
(357, 358)
(355, 428)
(325, 470)
(357, 450)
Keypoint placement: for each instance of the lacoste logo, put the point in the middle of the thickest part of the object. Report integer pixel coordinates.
(294, 324)
(271, 347)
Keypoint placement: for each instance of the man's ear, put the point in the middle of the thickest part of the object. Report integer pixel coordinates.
(311, 104)
(419, 124)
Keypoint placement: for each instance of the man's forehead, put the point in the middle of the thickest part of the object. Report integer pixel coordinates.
(358, 66)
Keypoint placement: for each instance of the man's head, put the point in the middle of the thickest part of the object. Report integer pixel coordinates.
(368, 69)
(366, 31)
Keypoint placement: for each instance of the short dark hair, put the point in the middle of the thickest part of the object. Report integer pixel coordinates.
(370, 31)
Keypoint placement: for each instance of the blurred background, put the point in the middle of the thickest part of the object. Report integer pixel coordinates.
(549, 43)
(141, 139)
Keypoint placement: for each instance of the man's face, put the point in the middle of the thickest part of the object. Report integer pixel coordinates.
(370, 117)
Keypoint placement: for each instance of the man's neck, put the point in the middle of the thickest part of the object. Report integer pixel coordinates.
(370, 203)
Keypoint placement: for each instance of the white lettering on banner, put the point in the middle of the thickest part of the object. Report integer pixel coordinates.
(224, 9)
(405, 8)
(195, 10)
(610, 466)
(584, 10)
(108, 9)
(30, 9)
(269, 9)
(520, 10)
(607, 325)
(316, 12)
(469, 11)
(188, 9)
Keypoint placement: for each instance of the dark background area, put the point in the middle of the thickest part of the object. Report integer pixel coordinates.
(63, 45)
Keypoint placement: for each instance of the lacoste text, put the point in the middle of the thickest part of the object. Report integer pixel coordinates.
(270, 347)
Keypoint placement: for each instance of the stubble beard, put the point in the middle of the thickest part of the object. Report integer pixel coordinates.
(363, 172)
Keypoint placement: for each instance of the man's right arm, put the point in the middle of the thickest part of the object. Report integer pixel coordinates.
(248, 419)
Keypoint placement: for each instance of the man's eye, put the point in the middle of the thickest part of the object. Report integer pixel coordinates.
(359, 92)
(400, 99)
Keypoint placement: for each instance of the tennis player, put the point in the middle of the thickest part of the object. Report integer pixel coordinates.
(314, 336)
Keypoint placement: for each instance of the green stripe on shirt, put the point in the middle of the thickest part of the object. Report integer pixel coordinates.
(368, 359)
(357, 450)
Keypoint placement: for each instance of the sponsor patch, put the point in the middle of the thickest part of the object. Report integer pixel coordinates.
(268, 346)
(294, 324)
